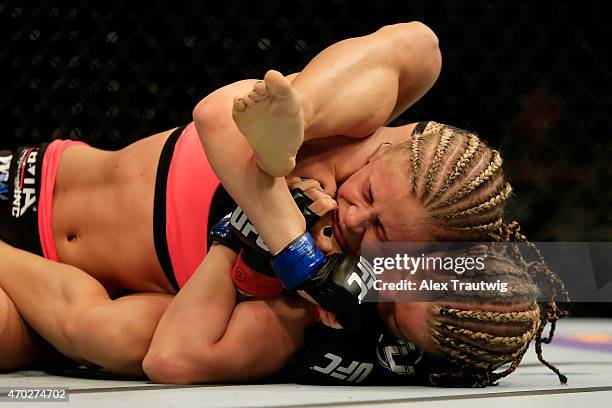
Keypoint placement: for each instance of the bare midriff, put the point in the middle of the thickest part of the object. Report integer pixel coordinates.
(103, 214)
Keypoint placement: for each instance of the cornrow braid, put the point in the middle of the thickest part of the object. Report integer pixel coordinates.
(473, 144)
(498, 198)
(490, 226)
(433, 170)
(455, 173)
(415, 159)
(491, 339)
(488, 316)
(492, 168)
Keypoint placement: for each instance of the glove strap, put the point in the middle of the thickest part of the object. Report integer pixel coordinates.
(297, 262)
(253, 283)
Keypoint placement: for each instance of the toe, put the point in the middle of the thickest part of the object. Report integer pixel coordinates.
(278, 85)
(261, 88)
(255, 96)
(249, 100)
(239, 103)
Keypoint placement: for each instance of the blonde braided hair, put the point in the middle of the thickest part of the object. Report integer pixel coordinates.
(476, 340)
(458, 179)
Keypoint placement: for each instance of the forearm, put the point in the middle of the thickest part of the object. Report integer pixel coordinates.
(265, 199)
(196, 319)
(257, 341)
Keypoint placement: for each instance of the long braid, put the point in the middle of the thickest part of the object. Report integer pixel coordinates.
(460, 183)
(475, 339)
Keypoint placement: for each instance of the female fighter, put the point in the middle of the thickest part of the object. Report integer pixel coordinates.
(121, 218)
(108, 235)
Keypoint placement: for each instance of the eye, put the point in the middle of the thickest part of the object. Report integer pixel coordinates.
(378, 228)
(369, 195)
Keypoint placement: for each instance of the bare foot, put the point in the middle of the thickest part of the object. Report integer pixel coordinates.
(271, 118)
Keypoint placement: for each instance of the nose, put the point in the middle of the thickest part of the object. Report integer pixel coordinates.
(358, 218)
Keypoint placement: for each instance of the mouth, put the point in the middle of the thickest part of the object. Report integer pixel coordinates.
(338, 233)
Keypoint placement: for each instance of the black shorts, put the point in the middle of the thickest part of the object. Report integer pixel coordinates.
(20, 175)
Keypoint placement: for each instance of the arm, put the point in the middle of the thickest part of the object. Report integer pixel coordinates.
(72, 311)
(204, 337)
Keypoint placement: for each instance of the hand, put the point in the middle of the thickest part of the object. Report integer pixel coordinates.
(322, 202)
(323, 205)
(326, 317)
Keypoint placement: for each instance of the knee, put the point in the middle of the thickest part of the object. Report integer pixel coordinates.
(203, 111)
(209, 114)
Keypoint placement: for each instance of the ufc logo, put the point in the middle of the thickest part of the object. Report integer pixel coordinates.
(394, 354)
(365, 281)
(240, 221)
(355, 372)
(25, 186)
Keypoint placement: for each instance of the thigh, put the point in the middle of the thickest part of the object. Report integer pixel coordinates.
(19, 344)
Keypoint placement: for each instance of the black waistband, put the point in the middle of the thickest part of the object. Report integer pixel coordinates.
(159, 206)
(19, 206)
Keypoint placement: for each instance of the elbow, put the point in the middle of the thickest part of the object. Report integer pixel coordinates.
(414, 32)
(119, 348)
(419, 42)
(171, 368)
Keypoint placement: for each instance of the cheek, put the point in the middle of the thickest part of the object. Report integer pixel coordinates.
(413, 321)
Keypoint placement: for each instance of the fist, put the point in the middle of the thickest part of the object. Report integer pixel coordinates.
(323, 205)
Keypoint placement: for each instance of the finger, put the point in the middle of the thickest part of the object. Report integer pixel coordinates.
(308, 184)
(294, 182)
(323, 206)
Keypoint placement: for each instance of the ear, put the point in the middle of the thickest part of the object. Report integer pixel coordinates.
(380, 150)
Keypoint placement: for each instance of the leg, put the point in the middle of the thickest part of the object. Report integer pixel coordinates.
(73, 312)
(351, 88)
(18, 344)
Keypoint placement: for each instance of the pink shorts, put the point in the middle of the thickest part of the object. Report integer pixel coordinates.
(45, 208)
(184, 191)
